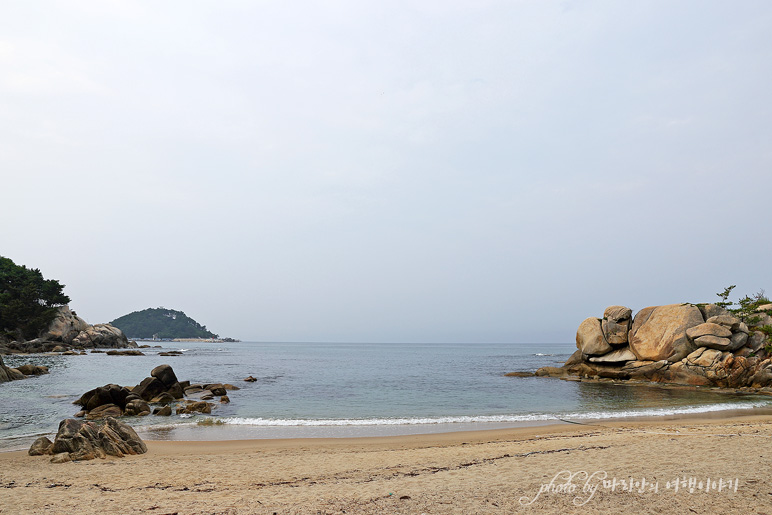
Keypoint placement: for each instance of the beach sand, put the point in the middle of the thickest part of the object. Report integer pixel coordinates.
(494, 471)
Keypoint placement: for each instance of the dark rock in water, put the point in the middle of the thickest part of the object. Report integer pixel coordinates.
(520, 374)
(124, 353)
(106, 410)
(250, 379)
(170, 353)
(225, 399)
(82, 440)
(40, 446)
(137, 407)
(149, 387)
(163, 411)
(184, 384)
(195, 407)
(32, 370)
(164, 398)
(108, 394)
(176, 391)
(230, 387)
(165, 374)
(216, 389)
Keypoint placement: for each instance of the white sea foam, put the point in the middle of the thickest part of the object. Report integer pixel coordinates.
(531, 417)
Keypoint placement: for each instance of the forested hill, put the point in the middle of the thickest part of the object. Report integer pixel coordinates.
(161, 322)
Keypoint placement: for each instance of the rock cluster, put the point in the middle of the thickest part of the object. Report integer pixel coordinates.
(69, 331)
(10, 374)
(84, 440)
(162, 389)
(678, 343)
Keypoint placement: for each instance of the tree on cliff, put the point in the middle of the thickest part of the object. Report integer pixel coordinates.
(28, 302)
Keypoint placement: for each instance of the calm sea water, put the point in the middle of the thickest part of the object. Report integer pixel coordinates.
(342, 389)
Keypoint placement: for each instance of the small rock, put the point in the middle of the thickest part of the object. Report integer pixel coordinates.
(225, 399)
(250, 379)
(40, 446)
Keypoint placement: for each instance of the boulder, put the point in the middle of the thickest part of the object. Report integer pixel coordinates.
(107, 394)
(137, 408)
(106, 410)
(759, 320)
(703, 357)
(101, 335)
(616, 324)
(713, 342)
(125, 353)
(14, 374)
(709, 329)
(65, 326)
(616, 356)
(728, 321)
(82, 440)
(711, 310)
(590, 339)
(149, 387)
(32, 370)
(195, 407)
(164, 398)
(216, 389)
(659, 332)
(5, 376)
(165, 374)
(163, 411)
(225, 399)
(40, 447)
(250, 379)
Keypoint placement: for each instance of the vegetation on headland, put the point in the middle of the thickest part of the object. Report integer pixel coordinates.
(161, 323)
(28, 302)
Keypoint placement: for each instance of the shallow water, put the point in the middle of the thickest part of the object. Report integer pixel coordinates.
(341, 389)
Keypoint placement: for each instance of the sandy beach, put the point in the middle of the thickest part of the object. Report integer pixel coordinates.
(655, 466)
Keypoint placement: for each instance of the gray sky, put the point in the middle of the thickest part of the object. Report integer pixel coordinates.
(395, 171)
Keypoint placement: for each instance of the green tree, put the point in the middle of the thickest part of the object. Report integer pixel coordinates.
(28, 302)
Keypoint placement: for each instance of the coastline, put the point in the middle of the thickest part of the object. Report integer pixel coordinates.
(486, 471)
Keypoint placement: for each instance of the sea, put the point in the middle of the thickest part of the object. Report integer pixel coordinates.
(312, 390)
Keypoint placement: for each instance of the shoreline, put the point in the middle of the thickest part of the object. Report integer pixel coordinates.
(486, 471)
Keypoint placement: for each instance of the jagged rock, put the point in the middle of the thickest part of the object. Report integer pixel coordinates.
(101, 335)
(755, 341)
(62, 457)
(40, 446)
(590, 339)
(659, 332)
(81, 440)
(703, 357)
(165, 374)
(616, 356)
(575, 358)
(106, 410)
(708, 329)
(616, 324)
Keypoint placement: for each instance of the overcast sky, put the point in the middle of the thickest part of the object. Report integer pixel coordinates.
(436, 171)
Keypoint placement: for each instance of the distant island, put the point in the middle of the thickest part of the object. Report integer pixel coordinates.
(162, 324)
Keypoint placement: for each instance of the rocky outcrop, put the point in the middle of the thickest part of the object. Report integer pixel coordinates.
(83, 440)
(11, 374)
(68, 331)
(161, 388)
(679, 343)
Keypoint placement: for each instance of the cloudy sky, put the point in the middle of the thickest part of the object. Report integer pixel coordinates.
(433, 171)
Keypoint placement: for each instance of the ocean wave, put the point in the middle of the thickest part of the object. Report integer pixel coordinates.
(530, 417)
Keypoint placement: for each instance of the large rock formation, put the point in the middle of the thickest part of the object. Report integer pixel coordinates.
(679, 343)
(83, 440)
(659, 332)
(66, 331)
